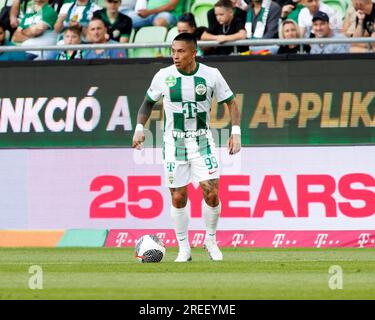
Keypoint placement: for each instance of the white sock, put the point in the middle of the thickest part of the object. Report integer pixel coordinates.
(180, 218)
(211, 218)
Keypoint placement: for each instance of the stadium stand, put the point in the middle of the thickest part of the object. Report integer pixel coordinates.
(172, 33)
(200, 8)
(147, 35)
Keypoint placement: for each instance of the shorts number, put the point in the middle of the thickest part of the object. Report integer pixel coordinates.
(211, 163)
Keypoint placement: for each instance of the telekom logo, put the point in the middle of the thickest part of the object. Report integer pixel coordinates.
(161, 235)
(278, 239)
(198, 239)
(363, 239)
(237, 239)
(121, 238)
(321, 239)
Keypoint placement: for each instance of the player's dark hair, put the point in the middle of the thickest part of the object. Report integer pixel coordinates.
(224, 4)
(187, 37)
(2, 26)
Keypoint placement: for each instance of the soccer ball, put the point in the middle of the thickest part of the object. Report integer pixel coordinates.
(149, 248)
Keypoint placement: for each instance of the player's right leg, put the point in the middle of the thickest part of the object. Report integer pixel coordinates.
(178, 177)
(180, 218)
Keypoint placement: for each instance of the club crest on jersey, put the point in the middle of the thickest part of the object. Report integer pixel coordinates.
(200, 89)
(170, 81)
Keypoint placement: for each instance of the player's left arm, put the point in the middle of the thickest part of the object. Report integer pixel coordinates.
(234, 141)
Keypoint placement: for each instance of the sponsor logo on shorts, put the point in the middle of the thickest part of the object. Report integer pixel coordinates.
(170, 166)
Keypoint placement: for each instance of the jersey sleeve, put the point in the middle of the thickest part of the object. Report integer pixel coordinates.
(154, 92)
(221, 89)
(49, 17)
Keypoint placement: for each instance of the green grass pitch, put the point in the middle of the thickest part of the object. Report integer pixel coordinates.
(106, 273)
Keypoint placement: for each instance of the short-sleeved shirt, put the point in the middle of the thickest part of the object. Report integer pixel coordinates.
(121, 28)
(237, 24)
(369, 22)
(12, 56)
(305, 19)
(187, 102)
(80, 13)
(177, 12)
(105, 54)
(46, 15)
(327, 48)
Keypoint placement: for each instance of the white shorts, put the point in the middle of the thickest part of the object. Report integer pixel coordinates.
(181, 173)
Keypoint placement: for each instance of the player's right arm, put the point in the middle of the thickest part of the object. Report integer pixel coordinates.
(144, 113)
(153, 95)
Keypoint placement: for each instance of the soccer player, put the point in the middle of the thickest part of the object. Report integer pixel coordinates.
(189, 152)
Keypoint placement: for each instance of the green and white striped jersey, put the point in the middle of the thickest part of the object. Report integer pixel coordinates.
(187, 103)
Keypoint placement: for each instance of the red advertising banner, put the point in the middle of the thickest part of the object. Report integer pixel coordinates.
(254, 239)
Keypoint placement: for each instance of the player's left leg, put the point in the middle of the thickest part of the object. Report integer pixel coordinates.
(211, 214)
(205, 170)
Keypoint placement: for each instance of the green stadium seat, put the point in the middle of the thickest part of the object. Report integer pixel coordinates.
(199, 9)
(132, 35)
(340, 6)
(187, 5)
(100, 3)
(148, 35)
(172, 33)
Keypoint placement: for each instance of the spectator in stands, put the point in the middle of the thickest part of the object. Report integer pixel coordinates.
(365, 25)
(349, 23)
(289, 30)
(72, 35)
(263, 23)
(8, 56)
(263, 19)
(241, 4)
(321, 28)
(239, 13)
(97, 34)
(19, 8)
(226, 27)
(77, 13)
(156, 12)
(186, 24)
(306, 15)
(291, 10)
(36, 28)
(119, 26)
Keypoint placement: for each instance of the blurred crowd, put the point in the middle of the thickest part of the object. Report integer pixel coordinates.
(66, 22)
